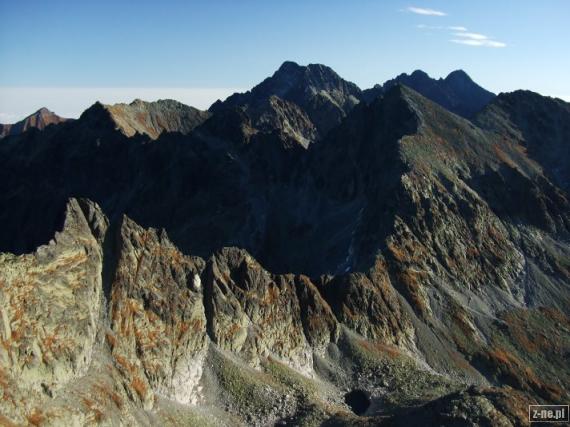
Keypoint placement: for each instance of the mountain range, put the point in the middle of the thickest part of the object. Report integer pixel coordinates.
(457, 92)
(305, 253)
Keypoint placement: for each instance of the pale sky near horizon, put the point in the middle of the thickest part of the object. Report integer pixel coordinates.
(65, 54)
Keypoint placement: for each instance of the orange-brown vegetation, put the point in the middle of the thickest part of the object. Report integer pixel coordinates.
(92, 406)
(124, 364)
(5, 422)
(411, 280)
(271, 294)
(516, 373)
(139, 386)
(111, 339)
(107, 392)
(36, 417)
(504, 157)
(232, 330)
(380, 348)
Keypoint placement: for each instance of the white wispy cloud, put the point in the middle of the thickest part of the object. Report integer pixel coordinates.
(483, 43)
(423, 11)
(429, 27)
(459, 33)
(472, 36)
(440, 27)
(475, 39)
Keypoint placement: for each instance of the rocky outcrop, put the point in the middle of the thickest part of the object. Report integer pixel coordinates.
(475, 406)
(50, 306)
(38, 120)
(157, 332)
(51, 302)
(254, 313)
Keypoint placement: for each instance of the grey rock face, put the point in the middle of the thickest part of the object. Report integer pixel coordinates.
(50, 306)
(157, 331)
(50, 303)
(257, 314)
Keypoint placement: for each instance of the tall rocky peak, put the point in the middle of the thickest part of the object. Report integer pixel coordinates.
(146, 118)
(457, 92)
(38, 120)
(323, 95)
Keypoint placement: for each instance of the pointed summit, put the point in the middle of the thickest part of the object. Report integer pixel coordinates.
(288, 67)
(38, 120)
(458, 75)
(44, 110)
(320, 92)
(419, 75)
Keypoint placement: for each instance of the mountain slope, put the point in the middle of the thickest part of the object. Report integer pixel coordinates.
(409, 265)
(540, 124)
(38, 120)
(457, 92)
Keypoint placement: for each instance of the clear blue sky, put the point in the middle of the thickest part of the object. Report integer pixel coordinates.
(503, 45)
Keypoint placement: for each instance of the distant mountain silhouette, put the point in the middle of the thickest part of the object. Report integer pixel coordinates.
(457, 92)
(38, 120)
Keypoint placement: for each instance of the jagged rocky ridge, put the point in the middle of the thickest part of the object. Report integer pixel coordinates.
(457, 92)
(147, 118)
(410, 254)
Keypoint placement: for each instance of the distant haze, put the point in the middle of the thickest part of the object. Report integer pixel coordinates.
(19, 102)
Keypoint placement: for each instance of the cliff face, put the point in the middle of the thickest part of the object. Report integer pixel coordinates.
(411, 267)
